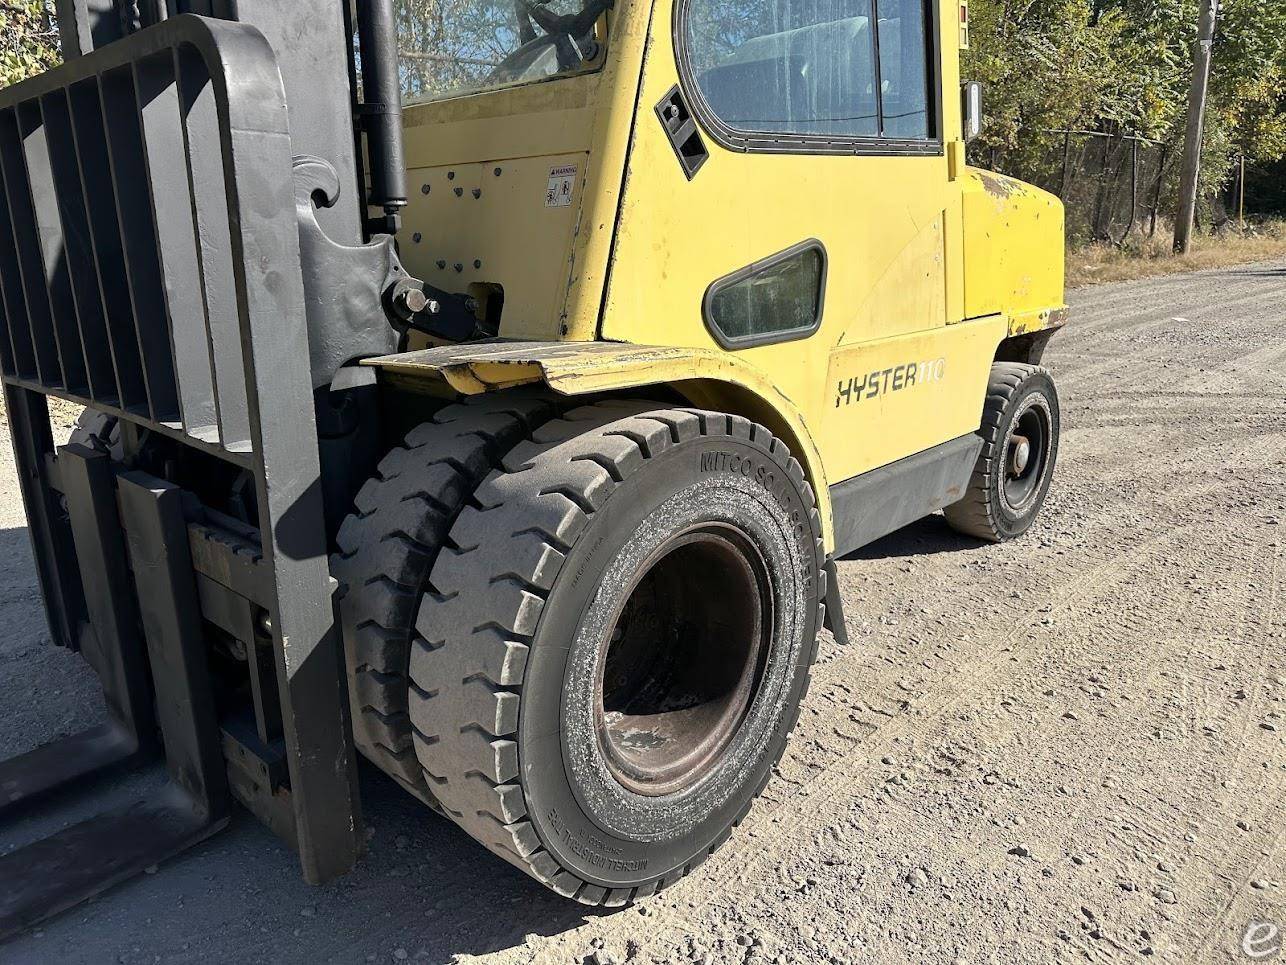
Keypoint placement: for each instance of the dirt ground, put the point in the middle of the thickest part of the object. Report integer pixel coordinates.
(1066, 748)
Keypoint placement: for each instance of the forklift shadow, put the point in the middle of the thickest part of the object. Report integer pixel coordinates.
(423, 885)
(423, 892)
(930, 534)
(18, 568)
(469, 901)
(1257, 272)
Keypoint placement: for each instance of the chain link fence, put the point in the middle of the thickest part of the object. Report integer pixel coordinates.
(1112, 185)
(1119, 187)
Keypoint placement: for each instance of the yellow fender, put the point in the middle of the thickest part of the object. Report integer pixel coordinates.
(707, 378)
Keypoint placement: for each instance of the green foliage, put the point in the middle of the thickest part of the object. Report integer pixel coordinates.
(1248, 80)
(1123, 67)
(28, 39)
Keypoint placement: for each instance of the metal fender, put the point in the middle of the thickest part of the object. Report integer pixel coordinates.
(706, 377)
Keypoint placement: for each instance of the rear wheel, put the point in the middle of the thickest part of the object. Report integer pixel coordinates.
(1020, 427)
(617, 644)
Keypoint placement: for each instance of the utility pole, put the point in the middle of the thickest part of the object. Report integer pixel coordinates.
(1241, 193)
(1191, 170)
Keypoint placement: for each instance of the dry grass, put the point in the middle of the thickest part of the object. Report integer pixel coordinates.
(1145, 257)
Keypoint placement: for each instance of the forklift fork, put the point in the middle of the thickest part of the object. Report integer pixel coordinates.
(150, 269)
(149, 536)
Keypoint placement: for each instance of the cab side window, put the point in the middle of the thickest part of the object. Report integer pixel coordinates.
(818, 69)
(904, 73)
(773, 300)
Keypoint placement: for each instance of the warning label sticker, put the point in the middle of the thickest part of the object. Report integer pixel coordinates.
(562, 181)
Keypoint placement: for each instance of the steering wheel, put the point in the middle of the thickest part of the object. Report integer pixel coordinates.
(562, 30)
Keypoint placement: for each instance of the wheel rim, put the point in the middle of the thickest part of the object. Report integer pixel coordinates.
(1026, 453)
(679, 669)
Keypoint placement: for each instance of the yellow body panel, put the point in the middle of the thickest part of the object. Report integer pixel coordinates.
(1013, 241)
(550, 261)
(930, 263)
(897, 396)
(472, 207)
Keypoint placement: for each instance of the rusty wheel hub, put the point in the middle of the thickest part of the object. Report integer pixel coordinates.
(683, 661)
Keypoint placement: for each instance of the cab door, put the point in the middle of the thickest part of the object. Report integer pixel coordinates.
(788, 198)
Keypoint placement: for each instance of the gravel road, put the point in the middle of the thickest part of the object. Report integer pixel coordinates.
(1065, 748)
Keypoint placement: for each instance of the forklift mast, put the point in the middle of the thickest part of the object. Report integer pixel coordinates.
(186, 247)
(310, 39)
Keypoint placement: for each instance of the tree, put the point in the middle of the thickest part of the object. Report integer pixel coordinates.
(1121, 67)
(28, 39)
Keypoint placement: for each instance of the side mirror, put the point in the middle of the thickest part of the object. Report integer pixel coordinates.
(971, 109)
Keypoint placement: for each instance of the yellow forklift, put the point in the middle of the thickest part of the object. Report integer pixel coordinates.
(489, 387)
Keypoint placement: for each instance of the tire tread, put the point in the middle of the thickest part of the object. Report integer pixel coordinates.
(386, 550)
(568, 469)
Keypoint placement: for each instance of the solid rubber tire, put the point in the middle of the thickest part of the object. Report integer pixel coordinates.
(387, 548)
(982, 512)
(494, 694)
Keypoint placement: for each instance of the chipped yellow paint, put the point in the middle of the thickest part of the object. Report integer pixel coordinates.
(931, 263)
(1025, 322)
(1013, 244)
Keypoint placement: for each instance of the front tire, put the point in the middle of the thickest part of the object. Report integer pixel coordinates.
(387, 548)
(1020, 429)
(618, 643)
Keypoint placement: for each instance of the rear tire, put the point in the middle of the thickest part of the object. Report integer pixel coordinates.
(387, 548)
(1020, 428)
(616, 645)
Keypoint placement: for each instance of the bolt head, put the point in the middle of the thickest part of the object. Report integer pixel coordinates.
(413, 300)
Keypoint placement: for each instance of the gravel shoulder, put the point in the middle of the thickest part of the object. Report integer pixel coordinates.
(1068, 748)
